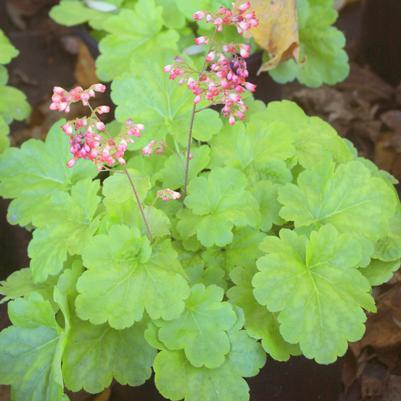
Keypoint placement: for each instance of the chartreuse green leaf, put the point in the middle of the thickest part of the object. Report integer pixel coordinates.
(21, 284)
(177, 379)
(4, 131)
(379, 272)
(65, 229)
(255, 149)
(347, 196)
(173, 171)
(3, 75)
(13, 106)
(13, 103)
(95, 354)
(201, 331)
(314, 140)
(31, 350)
(101, 352)
(322, 55)
(75, 12)
(243, 251)
(314, 286)
(259, 322)
(30, 175)
(388, 248)
(126, 276)
(121, 207)
(146, 94)
(220, 201)
(7, 50)
(172, 16)
(266, 194)
(132, 34)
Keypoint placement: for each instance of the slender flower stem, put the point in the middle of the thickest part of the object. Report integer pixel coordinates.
(134, 190)
(191, 125)
(188, 157)
(138, 201)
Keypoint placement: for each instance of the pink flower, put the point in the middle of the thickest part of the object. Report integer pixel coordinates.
(224, 78)
(201, 40)
(102, 109)
(86, 134)
(62, 99)
(245, 50)
(244, 7)
(157, 147)
(240, 16)
(148, 149)
(199, 15)
(168, 195)
(251, 87)
(99, 88)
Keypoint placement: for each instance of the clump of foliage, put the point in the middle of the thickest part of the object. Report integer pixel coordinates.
(13, 104)
(209, 242)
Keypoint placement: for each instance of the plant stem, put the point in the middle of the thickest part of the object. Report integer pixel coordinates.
(138, 201)
(188, 157)
(134, 190)
(191, 125)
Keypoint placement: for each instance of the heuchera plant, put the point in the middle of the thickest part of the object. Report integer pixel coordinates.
(211, 239)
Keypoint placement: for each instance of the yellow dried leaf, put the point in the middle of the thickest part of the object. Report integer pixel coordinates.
(85, 68)
(277, 32)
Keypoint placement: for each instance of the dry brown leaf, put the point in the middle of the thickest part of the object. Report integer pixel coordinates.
(277, 32)
(85, 69)
(383, 330)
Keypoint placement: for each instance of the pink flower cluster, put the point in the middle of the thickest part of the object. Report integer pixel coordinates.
(88, 137)
(240, 16)
(168, 195)
(62, 99)
(224, 78)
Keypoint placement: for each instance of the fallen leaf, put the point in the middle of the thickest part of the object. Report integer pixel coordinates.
(383, 329)
(373, 380)
(277, 32)
(393, 392)
(392, 119)
(85, 69)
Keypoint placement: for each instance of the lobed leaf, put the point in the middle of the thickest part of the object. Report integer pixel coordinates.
(30, 351)
(201, 331)
(32, 174)
(64, 229)
(221, 202)
(260, 324)
(316, 289)
(102, 353)
(132, 33)
(177, 379)
(329, 195)
(322, 56)
(126, 276)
